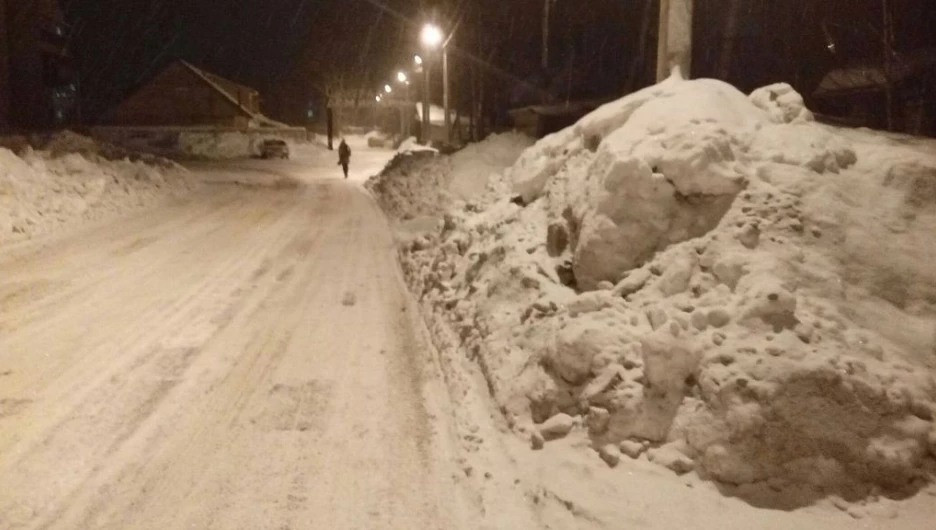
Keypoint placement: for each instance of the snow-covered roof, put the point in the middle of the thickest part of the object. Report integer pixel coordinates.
(872, 76)
(219, 84)
(572, 107)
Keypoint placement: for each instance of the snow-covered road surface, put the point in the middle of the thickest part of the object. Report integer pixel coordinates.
(247, 358)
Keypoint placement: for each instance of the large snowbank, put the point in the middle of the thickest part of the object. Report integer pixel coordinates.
(74, 178)
(709, 279)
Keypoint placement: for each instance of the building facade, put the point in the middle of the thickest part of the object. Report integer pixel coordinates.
(38, 88)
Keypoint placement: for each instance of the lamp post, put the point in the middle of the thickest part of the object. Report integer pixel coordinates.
(406, 110)
(445, 96)
(431, 38)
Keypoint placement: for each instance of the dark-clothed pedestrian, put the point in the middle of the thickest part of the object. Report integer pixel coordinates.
(344, 157)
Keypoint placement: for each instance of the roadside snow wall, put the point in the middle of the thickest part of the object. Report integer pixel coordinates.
(420, 182)
(710, 279)
(72, 179)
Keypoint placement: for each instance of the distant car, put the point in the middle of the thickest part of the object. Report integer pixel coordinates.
(273, 148)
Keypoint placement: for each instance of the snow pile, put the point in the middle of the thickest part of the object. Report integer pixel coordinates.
(413, 184)
(419, 182)
(41, 191)
(711, 280)
(473, 166)
(67, 142)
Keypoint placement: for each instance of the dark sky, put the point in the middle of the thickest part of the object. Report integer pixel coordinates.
(276, 44)
(120, 43)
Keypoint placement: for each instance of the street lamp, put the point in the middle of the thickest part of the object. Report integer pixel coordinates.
(418, 60)
(388, 89)
(431, 36)
(407, 109)
(378, 99)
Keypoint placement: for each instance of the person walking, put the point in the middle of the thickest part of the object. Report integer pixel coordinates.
(344, 157)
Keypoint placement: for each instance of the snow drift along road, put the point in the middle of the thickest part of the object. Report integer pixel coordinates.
(705, 279)
(74, 179)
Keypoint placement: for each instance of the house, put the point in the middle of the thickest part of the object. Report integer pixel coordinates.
(538, 121)
(856, 95)
(38, 88)
(183, 95)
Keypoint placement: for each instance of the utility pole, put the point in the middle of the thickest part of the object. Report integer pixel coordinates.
(330, 124)
(445, 96)
(425, 103)
(888, 45)
(407, 112)
(674, 46)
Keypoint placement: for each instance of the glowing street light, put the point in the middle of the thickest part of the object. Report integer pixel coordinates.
(388, 89)
(401, 77)
(431, 36)
(378, 99)
(417, 59)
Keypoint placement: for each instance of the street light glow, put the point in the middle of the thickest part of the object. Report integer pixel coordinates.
(378, 99)
(417, 59)
(388, 89)
(401, 77)
(431, 36)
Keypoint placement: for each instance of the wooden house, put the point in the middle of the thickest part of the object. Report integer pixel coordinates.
(183, 95)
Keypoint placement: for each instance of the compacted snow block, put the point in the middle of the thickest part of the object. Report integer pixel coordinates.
(655, 168)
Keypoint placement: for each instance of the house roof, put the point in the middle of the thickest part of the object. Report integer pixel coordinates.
(562, 109)
(222, 86)
(871, 77)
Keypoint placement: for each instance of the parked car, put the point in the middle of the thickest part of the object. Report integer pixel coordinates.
(274, 148)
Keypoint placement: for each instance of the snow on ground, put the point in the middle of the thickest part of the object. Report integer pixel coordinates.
(702, 280)
(72, 178)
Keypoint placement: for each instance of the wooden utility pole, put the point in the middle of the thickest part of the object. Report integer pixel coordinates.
(330, 117)
(888, 51)
(445, 96)
(674, 45)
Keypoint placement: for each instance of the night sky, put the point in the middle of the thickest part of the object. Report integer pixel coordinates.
(287, 49)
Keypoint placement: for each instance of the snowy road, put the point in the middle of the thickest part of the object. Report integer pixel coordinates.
(248, 358)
